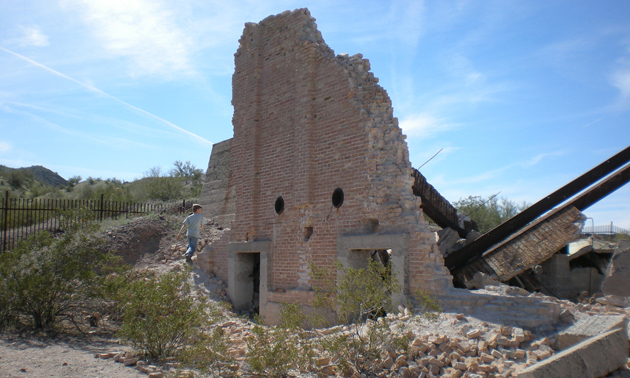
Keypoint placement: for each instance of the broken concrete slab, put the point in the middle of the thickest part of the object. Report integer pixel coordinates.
(481, 280)
(579, 248)
(617, 277)
(601, 246)
(586, 327)
(447, 240)
(614, 300)
(594, 357)
(499, 306)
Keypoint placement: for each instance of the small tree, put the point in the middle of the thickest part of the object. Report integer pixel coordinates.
(186, 170)
(488, 213)
(16, 178)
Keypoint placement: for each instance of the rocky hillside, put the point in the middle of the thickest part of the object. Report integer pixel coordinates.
(22, 176)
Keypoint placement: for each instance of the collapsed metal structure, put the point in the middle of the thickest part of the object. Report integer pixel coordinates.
(533, 235)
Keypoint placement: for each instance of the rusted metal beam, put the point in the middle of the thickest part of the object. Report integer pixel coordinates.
(601, 190)
(521, 255)
(505, 229)
(434, 205)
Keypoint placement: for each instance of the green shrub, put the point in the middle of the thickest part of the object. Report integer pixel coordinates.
(364, 345)
(209, 354)
(427, 305)
(274, 351)
(44, 279)
(358, 294)
(17, 178)
(160, 318)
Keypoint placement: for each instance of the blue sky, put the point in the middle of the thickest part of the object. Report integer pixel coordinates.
(520, 96)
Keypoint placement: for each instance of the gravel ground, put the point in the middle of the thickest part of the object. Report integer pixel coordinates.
(31, 356)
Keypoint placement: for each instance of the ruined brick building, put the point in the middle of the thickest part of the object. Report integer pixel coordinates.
(317, 171)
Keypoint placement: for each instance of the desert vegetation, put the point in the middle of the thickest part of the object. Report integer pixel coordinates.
(184, 180)
(70, 282)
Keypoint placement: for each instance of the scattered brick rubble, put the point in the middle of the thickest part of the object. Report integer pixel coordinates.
(455, 345)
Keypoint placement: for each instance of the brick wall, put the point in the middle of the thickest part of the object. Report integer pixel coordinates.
(305, 123)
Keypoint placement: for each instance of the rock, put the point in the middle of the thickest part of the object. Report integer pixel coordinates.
(417, 342)
(447, 240)
(436, 362)
(614, 300)
(401, 361)
(328, 369)
(481, 280)
(156, 374)
(473, 334)
(388, 363)
(566, 316)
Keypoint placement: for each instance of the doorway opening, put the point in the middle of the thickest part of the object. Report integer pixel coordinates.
(247, 283)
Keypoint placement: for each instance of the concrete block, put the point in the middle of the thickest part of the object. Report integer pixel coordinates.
(481, 280)
(447, 240)
(588, 326)
(579, 248)
(617, 277)
(594, 357)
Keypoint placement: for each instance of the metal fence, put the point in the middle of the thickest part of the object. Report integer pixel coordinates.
(20, 217)
(608, 229)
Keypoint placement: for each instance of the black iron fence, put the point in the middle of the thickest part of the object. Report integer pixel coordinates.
(608, 229)
(20, 217)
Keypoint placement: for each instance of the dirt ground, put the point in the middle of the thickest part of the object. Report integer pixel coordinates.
(36, 356)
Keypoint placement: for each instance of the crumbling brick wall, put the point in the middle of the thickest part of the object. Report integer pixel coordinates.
(307, 122)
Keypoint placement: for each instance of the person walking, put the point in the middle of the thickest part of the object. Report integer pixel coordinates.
(194, 222)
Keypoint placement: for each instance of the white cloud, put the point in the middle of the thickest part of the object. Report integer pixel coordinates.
(424, 125)
(32, 36)
(5, 146)
(409, 16)
(538, 158)
(621, 81)
(141, 30)
(96, 90)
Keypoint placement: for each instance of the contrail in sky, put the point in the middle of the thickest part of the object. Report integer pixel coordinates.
(91, 88)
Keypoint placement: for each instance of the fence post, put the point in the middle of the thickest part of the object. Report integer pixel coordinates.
(5, 228)
(101, 209)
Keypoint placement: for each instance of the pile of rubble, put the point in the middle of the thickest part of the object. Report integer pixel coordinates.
(588, 340)
(590, 336)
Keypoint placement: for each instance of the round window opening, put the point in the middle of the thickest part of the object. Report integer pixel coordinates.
(337, 198)
(279, 205)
